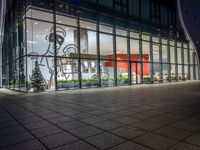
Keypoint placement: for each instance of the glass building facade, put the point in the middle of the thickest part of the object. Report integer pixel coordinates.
(95, 43)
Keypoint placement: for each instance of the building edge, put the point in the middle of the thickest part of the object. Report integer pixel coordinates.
(187, 34)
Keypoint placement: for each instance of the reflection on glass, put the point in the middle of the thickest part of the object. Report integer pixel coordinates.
(107, 73)
(106, 46)
(145, 51)
(121, 45)
(67, 76)
(122, 73)
(89, 73)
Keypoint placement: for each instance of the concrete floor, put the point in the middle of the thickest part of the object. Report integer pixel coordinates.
(145, 117)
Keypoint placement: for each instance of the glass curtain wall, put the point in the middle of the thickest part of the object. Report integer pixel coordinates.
(72, 50)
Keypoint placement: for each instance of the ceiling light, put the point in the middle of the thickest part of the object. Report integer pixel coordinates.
(59, 21)
(36, 23)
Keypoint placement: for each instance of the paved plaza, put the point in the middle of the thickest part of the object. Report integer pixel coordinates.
(140, 117)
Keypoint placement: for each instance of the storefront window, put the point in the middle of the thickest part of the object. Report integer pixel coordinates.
(135, 75)
(172, 56)
(89, 73)
(121, 32)
(180, 73)
(145, 51)
(42, 15)
(179, 55)
(67, 41)
(107, 73)
(191, 57)
(88, 25)
(66, 20)
(67, 73)
(185, 56)
(156, 52)
(122, 73)
(173, 73)
(134, 46)
(121, 45)
(40, 38)
(88, 40)
(192, 72)
(164, 53)
(106, 29)
(41, 68)
(106, 46)
(185, 72)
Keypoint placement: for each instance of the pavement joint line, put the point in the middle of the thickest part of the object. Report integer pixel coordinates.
(89, 125)
(18, 103)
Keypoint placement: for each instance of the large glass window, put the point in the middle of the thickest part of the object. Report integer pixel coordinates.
(134, 46)
(106, 46)
(89, 73)
(40, 38)
(42, 15)
(164, 53)
(185, 56)
(122, 73)
(107, 73)
(145, 51)
(121, 45)
(156, 52)
(60, 19)
(88, 40)
(179, 55)
(172, 56)
(191, 57)
(67, 73)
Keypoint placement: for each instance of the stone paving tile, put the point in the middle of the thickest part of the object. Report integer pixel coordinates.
(128, 132)
(166, 119)
(27, 120)
(93, 120)
(153, 108)
(194, 139)
(79, 145)
(105, 140)
(108, 125)
(71, 125)
(129, 146)
(126, 120)
(40, 132)
(36, 125)
(86, 131)
(174, 133)
(155, 141)
(58, 139)
(11, 130)
(110, 116)
(81, 116)
(146, 125)
(60, 120)
(186, 126)
(9, 123)
(30, 145)
(16, 138)
(184, 146)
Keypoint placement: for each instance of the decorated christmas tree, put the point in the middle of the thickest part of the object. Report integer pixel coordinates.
(37, 79)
